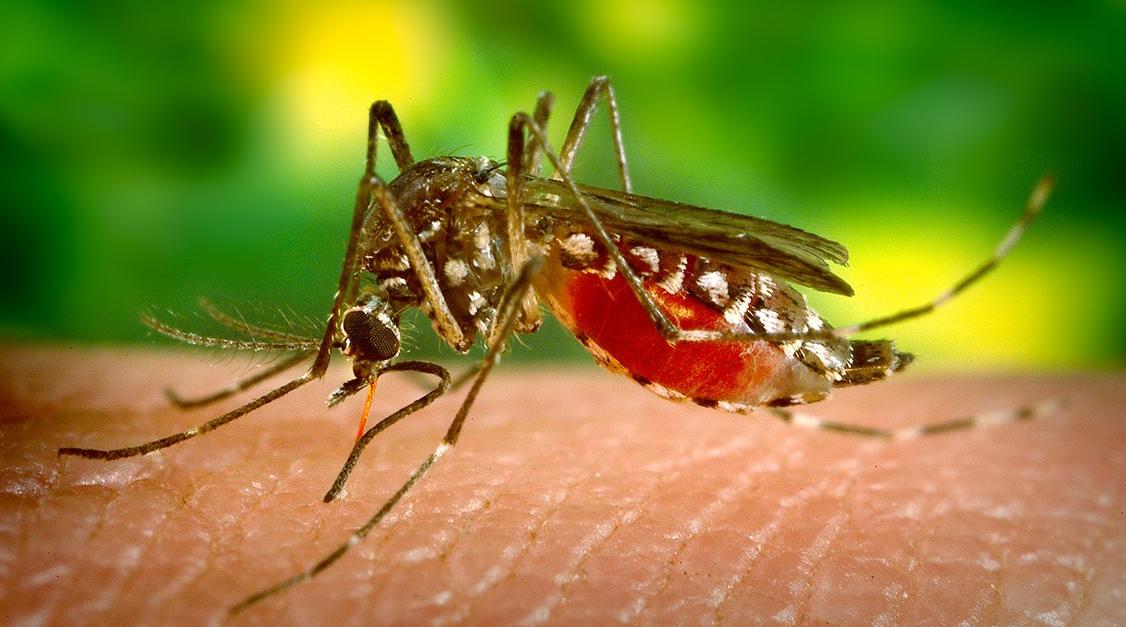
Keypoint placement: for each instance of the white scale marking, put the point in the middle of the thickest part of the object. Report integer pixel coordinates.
(735, 311)
(579, 245)
(715, 284)
(476, 302)
(456, 271)
(771, 323)
(648, 255)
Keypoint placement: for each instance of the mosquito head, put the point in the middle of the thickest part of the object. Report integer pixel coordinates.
(370, 333)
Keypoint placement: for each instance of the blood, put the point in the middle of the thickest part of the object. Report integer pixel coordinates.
(609, 315)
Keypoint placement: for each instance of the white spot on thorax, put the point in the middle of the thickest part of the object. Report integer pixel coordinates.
(393, 283)
(482, 236)
(456, 271)
(476, 302)
(430, 231)
(482, 242)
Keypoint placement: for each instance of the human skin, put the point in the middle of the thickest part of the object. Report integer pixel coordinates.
(574, 496)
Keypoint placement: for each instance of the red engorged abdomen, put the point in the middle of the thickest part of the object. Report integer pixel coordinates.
(607, 315)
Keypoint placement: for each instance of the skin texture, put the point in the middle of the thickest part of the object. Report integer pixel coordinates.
(574, 496)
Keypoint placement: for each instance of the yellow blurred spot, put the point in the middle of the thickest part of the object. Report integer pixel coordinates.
(335, 59)
(1009, 319)
(640, 29)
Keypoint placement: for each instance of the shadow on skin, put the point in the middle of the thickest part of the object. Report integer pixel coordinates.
(573, 496)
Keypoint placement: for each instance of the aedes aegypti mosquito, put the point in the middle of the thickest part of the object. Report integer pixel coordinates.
(692, 303)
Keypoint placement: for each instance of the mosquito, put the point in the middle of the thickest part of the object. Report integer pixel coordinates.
(695, 304)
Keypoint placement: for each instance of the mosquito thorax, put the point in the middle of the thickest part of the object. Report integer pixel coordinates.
(370, 334)
(456, 206)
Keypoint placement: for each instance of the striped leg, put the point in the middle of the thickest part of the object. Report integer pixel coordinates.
(370, 196)
(507, 315)
(239, 385)
(1035, 204)
(987, 419)
(672, 333)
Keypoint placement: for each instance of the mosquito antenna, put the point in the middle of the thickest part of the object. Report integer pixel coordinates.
(196, 339)
(242, 326)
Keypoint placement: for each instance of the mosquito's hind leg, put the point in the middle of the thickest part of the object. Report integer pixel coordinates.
(507, 314)
(598, 88)
(807, 421)
(544, 104)
(673, 334)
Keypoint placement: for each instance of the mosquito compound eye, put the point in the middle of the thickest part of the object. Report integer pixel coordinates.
(370, 337)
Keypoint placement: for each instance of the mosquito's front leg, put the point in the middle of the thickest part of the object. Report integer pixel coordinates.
(238, 386)
(507, 315)
(443, 317)
(423, 367)
(381, 115)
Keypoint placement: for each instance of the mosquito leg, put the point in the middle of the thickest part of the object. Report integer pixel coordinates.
(530, 317)
(521, 121)
(148, 447)
(1029, 412)
(382, 114)
(544, 104)
(447, 325)
(523, 159)
(599, 87)
(673, 334)
(1035, 204)
(423, 367)
(455, 383)
(506, 318)
(238, 386)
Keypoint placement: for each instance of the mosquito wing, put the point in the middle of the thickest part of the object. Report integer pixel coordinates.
(731, 239)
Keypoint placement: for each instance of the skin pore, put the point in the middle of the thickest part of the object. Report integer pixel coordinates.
(573, 495)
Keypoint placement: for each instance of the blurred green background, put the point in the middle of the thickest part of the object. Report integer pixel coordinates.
(151, 154)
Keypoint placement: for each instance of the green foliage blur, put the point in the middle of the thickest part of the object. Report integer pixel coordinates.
(152, 153)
